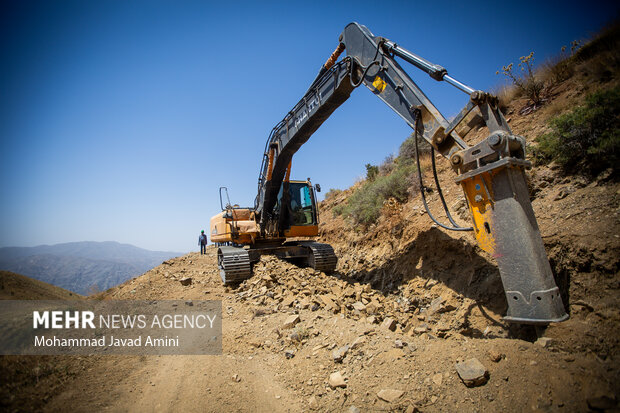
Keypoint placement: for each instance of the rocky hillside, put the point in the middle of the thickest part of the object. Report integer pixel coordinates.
(27, 382)
(17, 287)
(404, 253)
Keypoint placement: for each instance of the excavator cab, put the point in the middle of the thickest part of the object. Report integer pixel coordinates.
(296, 206)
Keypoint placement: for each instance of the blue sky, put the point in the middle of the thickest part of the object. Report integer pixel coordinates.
(119, 120)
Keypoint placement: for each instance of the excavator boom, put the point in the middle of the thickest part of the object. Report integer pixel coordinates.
(491, 173)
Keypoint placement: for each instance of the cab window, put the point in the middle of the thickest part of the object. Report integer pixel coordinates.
(302, 212)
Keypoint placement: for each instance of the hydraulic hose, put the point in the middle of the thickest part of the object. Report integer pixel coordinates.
(455, 226)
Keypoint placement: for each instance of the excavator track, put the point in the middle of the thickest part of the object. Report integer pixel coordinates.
(322, 257)
(234, 264)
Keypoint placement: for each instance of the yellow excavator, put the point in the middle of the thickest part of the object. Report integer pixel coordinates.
(491, 174)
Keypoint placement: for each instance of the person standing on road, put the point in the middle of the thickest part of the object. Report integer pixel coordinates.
(202, 241)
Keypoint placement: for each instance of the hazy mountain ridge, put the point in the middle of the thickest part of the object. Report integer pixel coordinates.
(78, 266)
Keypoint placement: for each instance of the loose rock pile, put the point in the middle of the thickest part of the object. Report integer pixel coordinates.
(416, 308)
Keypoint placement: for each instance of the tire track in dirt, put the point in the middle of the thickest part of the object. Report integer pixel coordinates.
(203, 384)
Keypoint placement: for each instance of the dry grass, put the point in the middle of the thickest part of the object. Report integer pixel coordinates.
(505, 94)
(426, 162)
(597, 61)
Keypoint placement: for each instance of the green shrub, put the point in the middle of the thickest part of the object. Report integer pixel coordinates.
(364, 206)
(394, 178)
(586, 140)
(371, 172)
(339, 210)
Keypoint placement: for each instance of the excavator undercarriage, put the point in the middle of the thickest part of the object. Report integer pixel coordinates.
(241, 244)
(235, 263)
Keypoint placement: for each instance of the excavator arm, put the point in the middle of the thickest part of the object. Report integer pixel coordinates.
(491, 173)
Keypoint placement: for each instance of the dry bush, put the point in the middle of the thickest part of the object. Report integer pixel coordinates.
(505, 95)
(555, 70)
(599, 60)
(426, 162)
(94, 291)
(561, 67)
(388, 165)
(332, 193)
(406, 152)
(594, 62)
(525, 80)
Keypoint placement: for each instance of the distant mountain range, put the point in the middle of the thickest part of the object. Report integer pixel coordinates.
(82, 267)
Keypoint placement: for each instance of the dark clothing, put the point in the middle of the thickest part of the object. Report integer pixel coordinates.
(202, 241)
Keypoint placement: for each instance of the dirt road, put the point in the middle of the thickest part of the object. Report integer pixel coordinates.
(267, 367)
(228, 382)
(189, 384)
